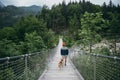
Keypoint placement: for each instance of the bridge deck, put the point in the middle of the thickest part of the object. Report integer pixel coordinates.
(68, 72)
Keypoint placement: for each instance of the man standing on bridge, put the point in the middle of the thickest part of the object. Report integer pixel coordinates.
(64, 52)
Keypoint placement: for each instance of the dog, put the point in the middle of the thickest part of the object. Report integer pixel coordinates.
(60, 64)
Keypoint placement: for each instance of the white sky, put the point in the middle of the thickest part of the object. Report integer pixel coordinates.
(49, 2)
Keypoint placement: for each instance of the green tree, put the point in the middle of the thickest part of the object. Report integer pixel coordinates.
(34, 42)
(74, 26)
(57, 19)
(50, 39)
(29, 24)
(8, 33)
(114, 29)
(8, 48)
(91, 23)
(64, 12)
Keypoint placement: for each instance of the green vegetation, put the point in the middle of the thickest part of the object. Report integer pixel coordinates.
(91, 24)
(100, 67)
(26, 36)
(78, 22)
(23, 67)
(11, 14)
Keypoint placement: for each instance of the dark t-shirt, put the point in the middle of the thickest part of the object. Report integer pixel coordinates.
(64, 51)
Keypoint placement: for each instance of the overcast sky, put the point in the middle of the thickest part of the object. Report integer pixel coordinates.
(49, 2)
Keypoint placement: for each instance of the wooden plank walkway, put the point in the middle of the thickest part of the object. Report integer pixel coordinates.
(68, 72)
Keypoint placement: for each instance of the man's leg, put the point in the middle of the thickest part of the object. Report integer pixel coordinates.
(65, 60)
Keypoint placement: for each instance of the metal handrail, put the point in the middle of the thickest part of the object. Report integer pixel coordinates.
(96, 66)
(25, 67)
(19, 56)
(105, 56)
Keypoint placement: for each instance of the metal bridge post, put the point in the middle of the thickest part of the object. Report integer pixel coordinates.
(47, 58)
(8, 58)
(73, 56)
(26, 69)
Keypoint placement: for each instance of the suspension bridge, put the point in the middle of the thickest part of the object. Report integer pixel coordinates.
(66, 73)
(44, 66)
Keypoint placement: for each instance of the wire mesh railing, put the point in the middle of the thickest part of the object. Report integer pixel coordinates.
(97, 66)
(25, 67)
(50, 54)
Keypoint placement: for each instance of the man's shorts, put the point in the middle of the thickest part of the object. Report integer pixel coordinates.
(64, 56)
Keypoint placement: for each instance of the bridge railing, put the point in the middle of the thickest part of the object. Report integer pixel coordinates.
(97, 66)
(25, 67)
(49, 56)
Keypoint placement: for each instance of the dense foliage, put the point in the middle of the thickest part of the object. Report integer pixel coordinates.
(11, 14)
(102, 22)
(78, 22)
(26, 36)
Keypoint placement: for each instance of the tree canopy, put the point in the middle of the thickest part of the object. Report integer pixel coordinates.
(81, 22)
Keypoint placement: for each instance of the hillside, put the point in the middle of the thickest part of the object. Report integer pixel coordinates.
(2, 5)
(10, 14)
(31, 9)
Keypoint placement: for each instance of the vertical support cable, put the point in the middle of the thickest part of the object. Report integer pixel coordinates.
(73, 56)
(8, 67)
(46, 59)
(26, 72)
(94, 67)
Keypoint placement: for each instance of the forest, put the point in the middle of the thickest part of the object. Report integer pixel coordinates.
(79, 22)
(10, 14)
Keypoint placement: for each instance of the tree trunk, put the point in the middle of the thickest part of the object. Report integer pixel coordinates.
(115, 46)
(90, 46)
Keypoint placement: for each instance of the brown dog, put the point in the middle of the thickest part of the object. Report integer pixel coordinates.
(60, 64)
